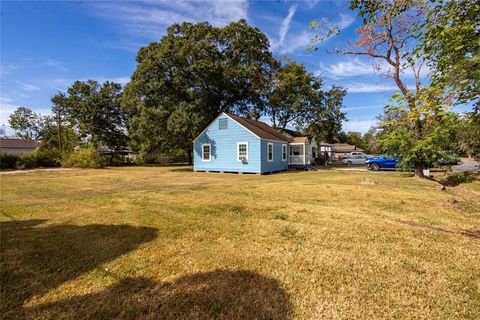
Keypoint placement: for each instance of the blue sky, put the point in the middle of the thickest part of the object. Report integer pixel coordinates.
(46, 45)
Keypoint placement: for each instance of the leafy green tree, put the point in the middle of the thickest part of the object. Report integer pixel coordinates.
(439, 129)
(449, 38)
(93, 110)
(325, 121)
(469, 135)
(185, 123)
(200, 70)
(28, 124)
(389, 34)
(356, 139)
(297, 99)
(296, 93)
(59, 144)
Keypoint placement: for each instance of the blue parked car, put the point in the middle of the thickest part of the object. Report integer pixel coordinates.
(381, 162)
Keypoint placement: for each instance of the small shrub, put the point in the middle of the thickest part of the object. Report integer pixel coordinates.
(115, 161)
(288, 232)
(281, 216)
(84, 158)
(320, 161)
(48, 158)
(27, 161)
(454, 179)
(8, 161)
(407, 174)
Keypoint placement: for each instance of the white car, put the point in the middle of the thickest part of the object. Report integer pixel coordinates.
(355, 159)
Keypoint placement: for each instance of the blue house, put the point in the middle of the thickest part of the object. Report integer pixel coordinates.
(235, 144)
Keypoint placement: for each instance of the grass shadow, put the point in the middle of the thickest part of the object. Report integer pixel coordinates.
(183, 169)
(455, 179)
(37, 258)
(219, 294)
(468, 233)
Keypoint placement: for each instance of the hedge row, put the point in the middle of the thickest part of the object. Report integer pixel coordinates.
(81, 158)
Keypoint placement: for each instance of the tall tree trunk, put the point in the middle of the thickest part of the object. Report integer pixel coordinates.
(190, 158)
(419, 169)
(418, 165)
(59, 132)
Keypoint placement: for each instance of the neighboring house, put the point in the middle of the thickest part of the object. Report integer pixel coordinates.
(126, 155)
(326, 151)
(344, 149)
(235, 144)
(317, 150)
(16, 146)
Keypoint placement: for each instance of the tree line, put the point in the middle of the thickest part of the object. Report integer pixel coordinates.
(196, 71)
(180, 84)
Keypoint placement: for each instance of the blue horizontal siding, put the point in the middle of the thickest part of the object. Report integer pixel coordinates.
(277, 164)
(224, 148)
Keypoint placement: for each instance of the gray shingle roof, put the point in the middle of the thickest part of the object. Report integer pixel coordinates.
(261, 129)
(18, 143)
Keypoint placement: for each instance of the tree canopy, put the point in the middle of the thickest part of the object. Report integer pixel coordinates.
(181, 83)
(449, 39)
(402, 34)
(94, 112)
(28, 124)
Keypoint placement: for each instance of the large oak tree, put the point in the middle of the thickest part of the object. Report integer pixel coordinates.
(195, 71)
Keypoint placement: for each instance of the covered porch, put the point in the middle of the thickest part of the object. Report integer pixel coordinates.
(301, 154)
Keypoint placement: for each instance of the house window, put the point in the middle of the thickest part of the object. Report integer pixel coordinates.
(270, 152)
(206, 152)
(284, 152)
(242, 151)
(222, 124)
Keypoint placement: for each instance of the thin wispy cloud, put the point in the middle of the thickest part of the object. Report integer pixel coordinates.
(354, 67)
(56, 64)
(361, 87)
(345, 21)
(27, 86)
(362, 108)
(6, 109)
(9, 68)
(348, 68)
(361, 125)
(151, 18)
(285, 26)
(301, 37)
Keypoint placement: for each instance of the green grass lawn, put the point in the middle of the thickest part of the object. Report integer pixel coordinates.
(167, 243)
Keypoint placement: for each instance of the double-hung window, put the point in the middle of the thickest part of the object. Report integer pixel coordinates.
(270, 152)
(284, 152)
(206, 152)
(242, 151)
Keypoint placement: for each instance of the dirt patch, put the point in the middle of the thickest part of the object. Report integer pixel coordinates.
(36, 170)
(368, 182)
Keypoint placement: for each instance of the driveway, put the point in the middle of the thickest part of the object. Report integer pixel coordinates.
(467, 166)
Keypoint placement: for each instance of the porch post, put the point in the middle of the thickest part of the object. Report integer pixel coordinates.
(304, 154)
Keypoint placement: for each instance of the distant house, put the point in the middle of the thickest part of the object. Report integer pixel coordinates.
(235, 144)
(344, 149)
(17, 146)
(126, 155)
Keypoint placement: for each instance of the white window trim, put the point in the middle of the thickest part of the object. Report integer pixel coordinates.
(268, 152)
(284, 147)
(238, 151)
(210, 152)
